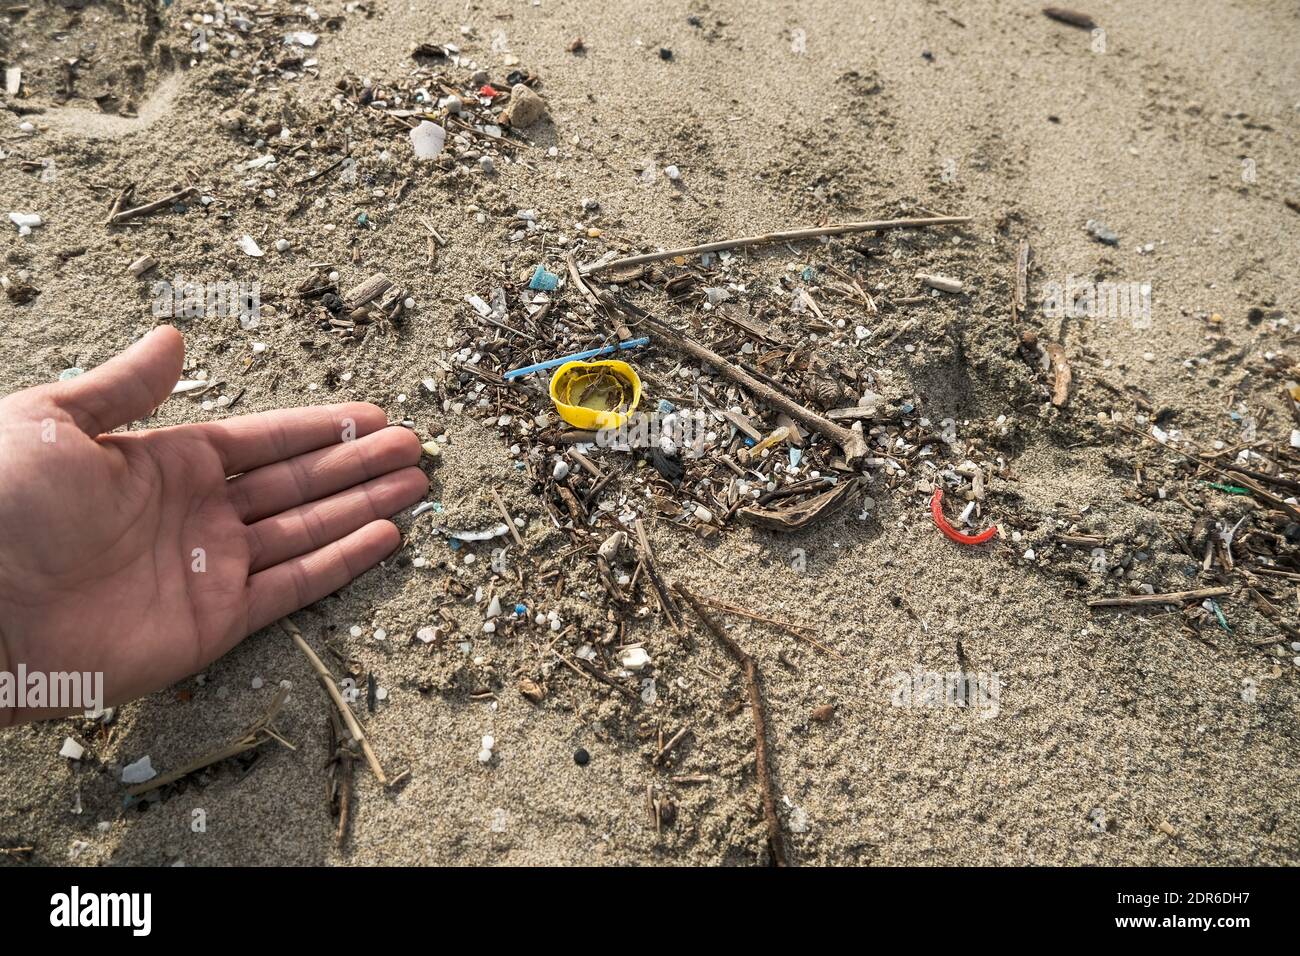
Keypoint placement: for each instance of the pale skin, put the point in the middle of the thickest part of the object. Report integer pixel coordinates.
(148, 554)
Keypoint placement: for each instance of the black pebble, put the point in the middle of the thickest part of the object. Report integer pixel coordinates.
(580, 757)
(665, 53)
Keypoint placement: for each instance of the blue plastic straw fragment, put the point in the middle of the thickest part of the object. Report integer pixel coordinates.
(577, 356)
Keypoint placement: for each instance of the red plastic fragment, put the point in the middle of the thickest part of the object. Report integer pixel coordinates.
(487, 90)
(936, 509)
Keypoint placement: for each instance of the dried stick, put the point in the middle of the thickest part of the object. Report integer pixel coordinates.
(666, 602)
(121, 200)
(839, 229)
(588, 670)
(794, 630)
(667, 748)
(852, 442)
(1148, 600)
(1261, 493)
(327, 681)
(1073, 17)
(1020, 297)
(341, 757)
(775, 838)
(510, 522)
(151, 207)
(1271, 610)
(256, 735)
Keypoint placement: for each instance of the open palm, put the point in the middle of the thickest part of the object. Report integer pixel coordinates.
(146, 555)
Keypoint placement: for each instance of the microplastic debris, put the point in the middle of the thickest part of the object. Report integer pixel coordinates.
(427, 140)
(26, 222)
(139, 772)
(543, 281)
(71, 749)
(633, 658)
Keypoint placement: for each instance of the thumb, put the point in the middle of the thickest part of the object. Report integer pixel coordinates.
(126, 387)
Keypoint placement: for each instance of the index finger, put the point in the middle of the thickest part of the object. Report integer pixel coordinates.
(250, 441)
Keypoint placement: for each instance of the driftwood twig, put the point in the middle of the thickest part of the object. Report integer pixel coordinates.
(879, 225)
(256, 735)
(850, 440)
(150, 207)
(1149, 600)
(327, 681)
(775, 838)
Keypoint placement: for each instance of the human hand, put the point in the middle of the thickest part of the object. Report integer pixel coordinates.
(136, 554)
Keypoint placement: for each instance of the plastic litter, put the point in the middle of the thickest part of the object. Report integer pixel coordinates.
(577, 356)
(595, 395)
(543, 281)
(936, 509)
(139, 772)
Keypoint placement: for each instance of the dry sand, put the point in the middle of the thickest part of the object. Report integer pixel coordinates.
(1120, 738)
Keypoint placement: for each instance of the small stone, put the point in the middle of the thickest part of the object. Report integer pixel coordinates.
(1101, 232)
(634, 658)
(139, 772)
(71, 749)
(532, 690)
(526, 107)
(282, 245)
(427, 140)
(26, 221)
(581, 757)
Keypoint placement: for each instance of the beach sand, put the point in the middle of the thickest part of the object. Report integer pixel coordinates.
(1117, 737)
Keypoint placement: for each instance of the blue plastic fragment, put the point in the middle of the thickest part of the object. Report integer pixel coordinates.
(665, 407)
(520, 610)
(796, 456)
(576, 356)
(1218, 613)
(543, 281)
